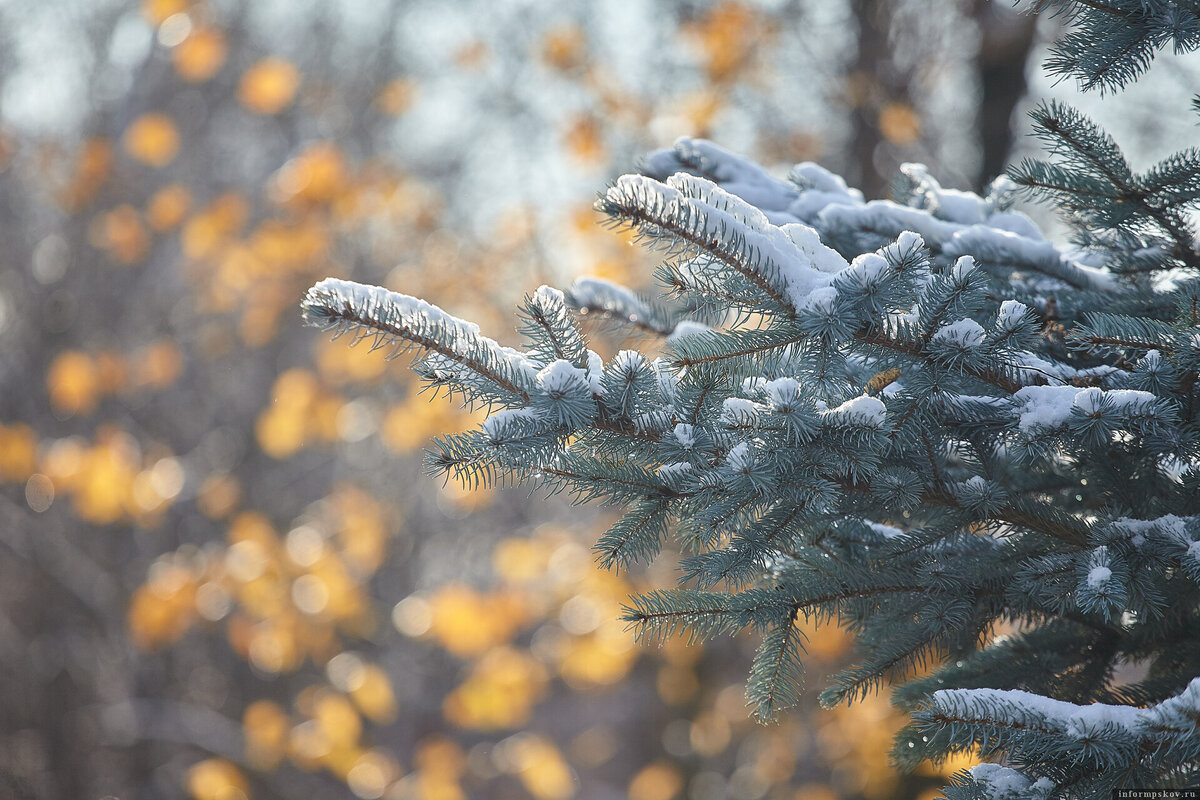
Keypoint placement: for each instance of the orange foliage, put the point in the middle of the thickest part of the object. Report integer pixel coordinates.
(584, 140)
(564, 47)
(168, 207)
(152, 139)
(18, 452)
(499, 693)
(266, 726)
(73, 383)
(542, 769)
(200, 56)
(660, 780)
(218, 496)
(900, 124)
(467, 622)
(157, 11)
(122, 234)
(728, 35)
(92, 168)
(472, 56)
(316, 175)
(269, 86)
(158, 365)
(397, 96)
(217, 779)
(213, 226)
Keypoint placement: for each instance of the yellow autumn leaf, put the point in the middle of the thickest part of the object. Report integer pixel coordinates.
(217, 779)
(900, 124)
(468, 623)
(499, 693)
(198, 57)
(563, 47)
(396, 97)
(18, 452)
(371, 773)
(660, 780)
(122, 234)
(218, 496)
(157, 11)
(168, 206)
(374, 696)
(269, 86)
(73, 383)
(265, 725)
(543, 770)
(152, 139)
(338, 719)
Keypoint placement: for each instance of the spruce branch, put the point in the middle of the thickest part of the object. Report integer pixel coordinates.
(400, 322)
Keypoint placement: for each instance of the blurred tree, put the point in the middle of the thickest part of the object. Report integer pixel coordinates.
(1006, 39)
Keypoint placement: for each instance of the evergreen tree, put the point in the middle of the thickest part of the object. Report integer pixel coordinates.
(975, 448)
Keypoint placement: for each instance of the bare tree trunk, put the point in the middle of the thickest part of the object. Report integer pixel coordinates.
(871, 81)
(1005, 40)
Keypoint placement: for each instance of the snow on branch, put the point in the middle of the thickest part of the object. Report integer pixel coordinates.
(400, 322)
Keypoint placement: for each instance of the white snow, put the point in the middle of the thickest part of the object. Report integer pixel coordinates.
(863, 409)
(668, 382)
(730, 169)
(1015, 222)
(963, 267)
(1193, 551)
(595, 371)
(685, 328)
(1003, 246)
(686, 435)
(782, 392)
(819, 301)
(1178, 712)
(674, 473)
(808, 242)
(822, 180)
(1098, 577)
(1011, 313)
(393, 309)
(1168, 527)
(909, 240)
(1068, 718)
(1044, 407)
(888, 218)
(959, 206)
(1032, 367)
(949, 204)
(793, 259)
(1089, 400)
(866, 268)
(493, 425)
(719, 197)
(599, 293)
(561, 376)
(628, 361)
(549, 295)
(965, 332)
(976, 483)
(1005, 783)
(739, 458)
(886, 531)
(739, 411)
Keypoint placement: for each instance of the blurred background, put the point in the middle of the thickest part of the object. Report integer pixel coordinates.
(223, 574)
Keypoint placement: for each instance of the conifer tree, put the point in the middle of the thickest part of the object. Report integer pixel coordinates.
(977, 449)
